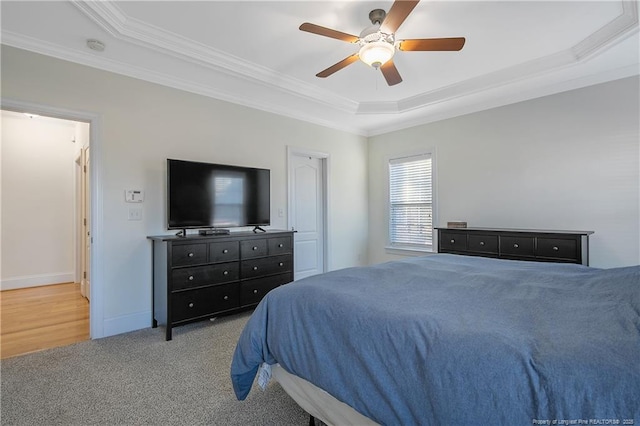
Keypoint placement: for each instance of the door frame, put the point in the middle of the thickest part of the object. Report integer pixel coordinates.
(96, 307)
(325, 163)
(84, 222)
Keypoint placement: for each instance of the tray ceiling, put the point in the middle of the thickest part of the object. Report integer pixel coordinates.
(252, 53)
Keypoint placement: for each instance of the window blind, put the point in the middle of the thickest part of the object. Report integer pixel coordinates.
(411, 201)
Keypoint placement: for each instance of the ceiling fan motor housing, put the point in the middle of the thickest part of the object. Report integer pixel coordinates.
(377, 16)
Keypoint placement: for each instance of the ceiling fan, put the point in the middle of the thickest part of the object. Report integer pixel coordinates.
(378, 42)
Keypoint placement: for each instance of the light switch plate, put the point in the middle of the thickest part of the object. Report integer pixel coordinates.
(135, 213)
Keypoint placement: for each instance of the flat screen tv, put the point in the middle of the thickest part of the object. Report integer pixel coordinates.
(208, 196)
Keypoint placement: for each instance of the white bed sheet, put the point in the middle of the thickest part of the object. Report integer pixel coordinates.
(317, 402)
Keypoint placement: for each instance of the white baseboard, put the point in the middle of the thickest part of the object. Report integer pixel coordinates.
(36, 280)
(126, 323)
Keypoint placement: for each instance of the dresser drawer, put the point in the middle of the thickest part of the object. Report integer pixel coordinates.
(279, 245)
(204, 301)
(188, 254)
(224, 251)
(483, 243)
(517, 246)
(266, 266)
(252, 291)
(558, 248)
(453, 241)
(203, 275)
(253, 248)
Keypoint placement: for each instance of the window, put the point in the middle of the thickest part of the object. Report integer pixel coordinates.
(411, 202)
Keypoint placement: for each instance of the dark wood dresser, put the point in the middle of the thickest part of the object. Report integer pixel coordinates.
(517, 244)
(200, 277)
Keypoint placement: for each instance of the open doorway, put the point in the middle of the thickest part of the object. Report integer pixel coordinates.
(46, 201)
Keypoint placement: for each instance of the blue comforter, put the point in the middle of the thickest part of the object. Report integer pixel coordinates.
(456, 340)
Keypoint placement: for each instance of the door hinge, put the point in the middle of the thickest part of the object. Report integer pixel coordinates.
(84, 221)
(84, 275)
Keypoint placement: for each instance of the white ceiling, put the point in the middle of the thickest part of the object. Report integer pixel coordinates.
(252, 53)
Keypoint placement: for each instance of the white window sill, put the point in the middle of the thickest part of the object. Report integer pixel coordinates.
(409, 251)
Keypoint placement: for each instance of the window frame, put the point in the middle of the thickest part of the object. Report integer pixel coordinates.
(400, 249)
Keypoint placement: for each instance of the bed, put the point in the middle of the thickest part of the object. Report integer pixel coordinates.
(448, 339)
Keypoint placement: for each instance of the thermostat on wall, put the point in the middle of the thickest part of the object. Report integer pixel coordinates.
(133, 195)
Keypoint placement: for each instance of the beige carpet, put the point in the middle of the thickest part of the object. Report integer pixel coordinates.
(138, 378)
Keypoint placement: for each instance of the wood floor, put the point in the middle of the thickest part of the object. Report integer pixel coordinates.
(37, 318)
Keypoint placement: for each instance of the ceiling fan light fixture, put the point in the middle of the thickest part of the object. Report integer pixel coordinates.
(376, 53)
(378, 42)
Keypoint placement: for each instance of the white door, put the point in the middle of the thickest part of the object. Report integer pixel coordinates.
(306, 213)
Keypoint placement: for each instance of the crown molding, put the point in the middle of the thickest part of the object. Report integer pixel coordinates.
(485, 101)
(617, 30)
(290, 97)
(483, 83)
(111, 18)
(610, 34)
(99, 62)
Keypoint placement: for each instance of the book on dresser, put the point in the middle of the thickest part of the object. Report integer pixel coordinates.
(199, 277)
(517, 244)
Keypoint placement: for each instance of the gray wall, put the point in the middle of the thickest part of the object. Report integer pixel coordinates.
(567, 161)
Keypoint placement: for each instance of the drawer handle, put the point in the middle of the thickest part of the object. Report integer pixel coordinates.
(280, 245)
(191, 305)
(555, 248)
(281, 264)
(190, 277)
(515, 246)
(225, 251)
(226, 298)
(255, 291)
(190, 255)
(481, 243)
(254, 248)
(255, 268)
(453, 241)
(225, 273)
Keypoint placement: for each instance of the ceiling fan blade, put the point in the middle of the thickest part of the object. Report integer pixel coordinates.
(431, 44)
(390, 73)
(338, 66)
(328, 32)
(396, 15)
